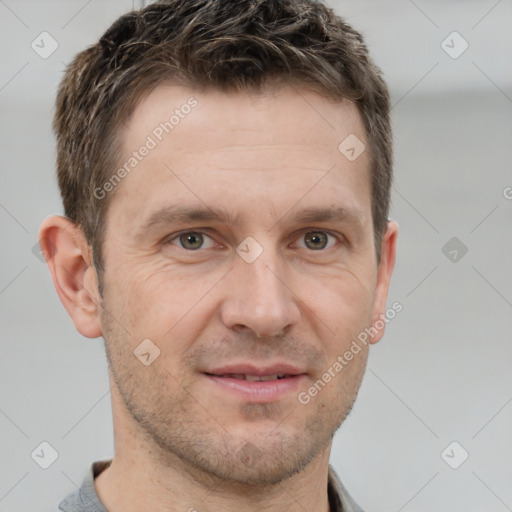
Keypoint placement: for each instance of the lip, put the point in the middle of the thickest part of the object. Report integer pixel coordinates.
(257, 391)
(258, 370)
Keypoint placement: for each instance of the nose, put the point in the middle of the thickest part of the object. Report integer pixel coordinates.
(259, 297)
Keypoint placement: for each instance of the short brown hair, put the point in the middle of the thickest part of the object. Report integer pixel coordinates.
(227, 45)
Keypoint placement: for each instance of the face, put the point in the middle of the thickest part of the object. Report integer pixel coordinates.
(240, 244)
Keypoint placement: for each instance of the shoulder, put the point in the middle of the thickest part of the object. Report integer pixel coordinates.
(339, 498)
(85, 499)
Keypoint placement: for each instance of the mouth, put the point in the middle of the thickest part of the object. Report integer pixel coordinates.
(252, 378)
(257, 384)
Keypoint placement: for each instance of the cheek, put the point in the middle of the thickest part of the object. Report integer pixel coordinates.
(168, 306)
(340, 305)
(131, 306)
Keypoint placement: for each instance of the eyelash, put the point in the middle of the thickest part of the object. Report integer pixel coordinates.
(338, 237)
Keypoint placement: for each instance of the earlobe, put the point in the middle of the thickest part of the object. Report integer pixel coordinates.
(386, 266)
(70, 262)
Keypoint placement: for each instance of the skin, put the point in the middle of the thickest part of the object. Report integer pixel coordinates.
(178, 436)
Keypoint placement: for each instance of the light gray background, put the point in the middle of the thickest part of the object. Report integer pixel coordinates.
(442, 371)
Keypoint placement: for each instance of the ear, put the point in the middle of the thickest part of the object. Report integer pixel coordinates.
(69, 259)
(385, 269)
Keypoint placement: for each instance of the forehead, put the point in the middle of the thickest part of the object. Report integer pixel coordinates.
(164, 109)
(277, 146)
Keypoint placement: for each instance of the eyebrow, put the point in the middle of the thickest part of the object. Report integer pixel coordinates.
(175, 214)
(340, 213)
(169, 215)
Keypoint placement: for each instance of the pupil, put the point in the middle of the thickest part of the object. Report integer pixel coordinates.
(192, 239)
(315, 238)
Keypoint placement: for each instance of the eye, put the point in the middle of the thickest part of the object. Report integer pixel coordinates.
(318, 240)
(192, 240)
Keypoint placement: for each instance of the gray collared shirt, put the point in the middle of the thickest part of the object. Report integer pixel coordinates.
(85, 499)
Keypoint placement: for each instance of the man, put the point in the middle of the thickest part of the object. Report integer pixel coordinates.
(225, 168)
